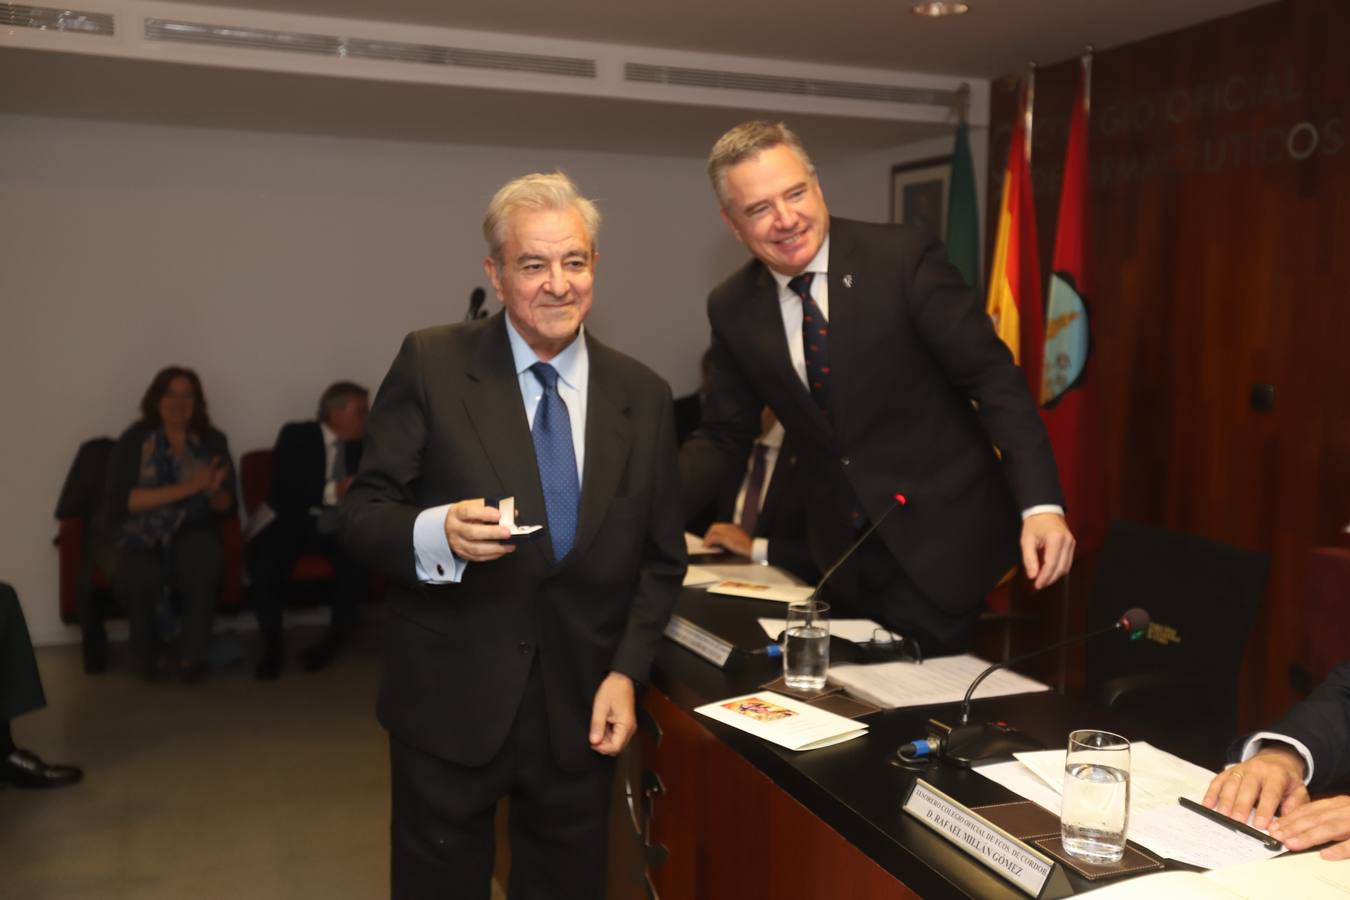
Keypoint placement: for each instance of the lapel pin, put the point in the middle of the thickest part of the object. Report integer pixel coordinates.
(848, 281)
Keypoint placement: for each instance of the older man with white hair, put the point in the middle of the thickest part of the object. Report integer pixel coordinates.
(510, 668)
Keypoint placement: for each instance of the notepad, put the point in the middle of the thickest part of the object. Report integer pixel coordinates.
(786, 722)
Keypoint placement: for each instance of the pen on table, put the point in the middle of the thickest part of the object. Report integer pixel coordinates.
(1219, 818)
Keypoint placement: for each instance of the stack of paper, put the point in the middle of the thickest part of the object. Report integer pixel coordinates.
(784, 721)
(1306, 876)
(941, 680)
(1157, 821)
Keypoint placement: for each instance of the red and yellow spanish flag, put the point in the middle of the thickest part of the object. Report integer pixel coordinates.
(1015, 279)
(1068, 406)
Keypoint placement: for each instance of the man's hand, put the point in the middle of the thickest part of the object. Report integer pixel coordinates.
(473, 533)
(1316, 823)
(1047, 548)
(613, 715)
(1270, 780)
(729, 537)
(343, 486)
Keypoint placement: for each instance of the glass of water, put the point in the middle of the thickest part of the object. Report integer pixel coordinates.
(806, 652)
(1096, 807)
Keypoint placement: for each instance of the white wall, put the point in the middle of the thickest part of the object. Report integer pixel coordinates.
(276, 263)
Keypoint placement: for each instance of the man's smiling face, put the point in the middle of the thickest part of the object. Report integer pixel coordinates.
(774, 206)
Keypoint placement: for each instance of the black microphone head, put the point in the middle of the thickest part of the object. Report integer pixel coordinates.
(1135, 621)
(477, 297)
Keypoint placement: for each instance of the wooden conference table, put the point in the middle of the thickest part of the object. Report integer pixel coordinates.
(716, 813)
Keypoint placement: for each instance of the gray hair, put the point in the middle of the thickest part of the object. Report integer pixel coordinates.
(336, 395)
(747, 140)
(536, 192)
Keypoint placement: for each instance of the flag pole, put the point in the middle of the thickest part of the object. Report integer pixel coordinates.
(1028, 114)
(1087, 80)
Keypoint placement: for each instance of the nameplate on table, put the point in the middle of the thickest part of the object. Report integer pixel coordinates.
(1035, 873)
(698, 639)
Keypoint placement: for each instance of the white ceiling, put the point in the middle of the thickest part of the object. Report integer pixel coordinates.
(995, 38)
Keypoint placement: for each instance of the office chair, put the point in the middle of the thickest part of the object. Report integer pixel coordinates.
(1179, 684)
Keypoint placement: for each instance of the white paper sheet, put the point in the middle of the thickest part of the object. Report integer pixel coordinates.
(1303, 876)
(859, 631)
(1157, 821)
(698, 576)
(783, 720)
(941, 680)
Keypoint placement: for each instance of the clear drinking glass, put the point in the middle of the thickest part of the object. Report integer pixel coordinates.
(806, 649)
(1096, 806)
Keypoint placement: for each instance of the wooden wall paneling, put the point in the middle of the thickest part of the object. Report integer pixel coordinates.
(1219, 258)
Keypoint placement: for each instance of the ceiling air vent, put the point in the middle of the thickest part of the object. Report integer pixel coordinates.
(781, 84)
(46, 18)
(364, 48)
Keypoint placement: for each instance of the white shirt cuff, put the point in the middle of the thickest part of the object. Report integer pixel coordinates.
(330, 497)
(1043, 508)
(759, 549)
(436, 562)
(1258, 740)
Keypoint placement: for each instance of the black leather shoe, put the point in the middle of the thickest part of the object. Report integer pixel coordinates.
(23, 769)
(269, 667)
(319, 655)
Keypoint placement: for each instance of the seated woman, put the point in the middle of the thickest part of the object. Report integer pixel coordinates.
(170, 481)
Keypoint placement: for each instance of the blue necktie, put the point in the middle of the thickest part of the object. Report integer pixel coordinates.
(557, 460)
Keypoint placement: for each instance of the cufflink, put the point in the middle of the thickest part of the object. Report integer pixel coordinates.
(440, 569)
(848, 280)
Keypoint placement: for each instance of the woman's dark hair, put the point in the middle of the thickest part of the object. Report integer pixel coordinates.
(199, 424)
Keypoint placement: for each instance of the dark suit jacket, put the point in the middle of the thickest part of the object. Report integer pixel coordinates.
(300, 469)
(782, 518)
(910, 347)
(448, 424)
(1322, 724)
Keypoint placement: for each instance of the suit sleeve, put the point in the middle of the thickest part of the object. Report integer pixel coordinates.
(1322, 724)
(952, 323)
(294, 478)
(715, 454)
(379, 510)
(663, 560)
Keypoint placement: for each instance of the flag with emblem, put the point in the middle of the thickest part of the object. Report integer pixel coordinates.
(1064, 393)
(1014, 298)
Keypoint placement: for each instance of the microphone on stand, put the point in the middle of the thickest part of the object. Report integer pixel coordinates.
(476, 299)
(966, 743)
(900, 500)
(776, 649)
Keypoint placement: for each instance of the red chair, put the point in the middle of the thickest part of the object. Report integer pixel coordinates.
(70, 540)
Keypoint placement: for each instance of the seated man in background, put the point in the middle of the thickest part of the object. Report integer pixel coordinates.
(1307, 750)
(313, 462)
(21, 692)
(762, 516)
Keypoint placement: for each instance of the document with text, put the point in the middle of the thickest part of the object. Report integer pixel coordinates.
(940, 680)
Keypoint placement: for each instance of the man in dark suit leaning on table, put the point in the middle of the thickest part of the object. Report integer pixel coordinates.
(1274, 769)
(870, 349)
(312, 466)
(510, 669)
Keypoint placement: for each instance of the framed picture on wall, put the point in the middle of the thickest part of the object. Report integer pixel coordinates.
(919, 193)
